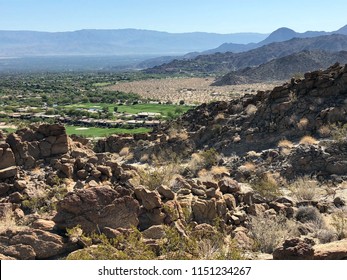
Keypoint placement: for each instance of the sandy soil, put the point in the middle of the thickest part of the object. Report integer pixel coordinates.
(191, 90)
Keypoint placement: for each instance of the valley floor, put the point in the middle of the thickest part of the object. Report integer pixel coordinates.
(191, 90)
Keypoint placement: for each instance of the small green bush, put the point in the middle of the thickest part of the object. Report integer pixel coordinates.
(267, 187)
(309, 214)
(124, 247)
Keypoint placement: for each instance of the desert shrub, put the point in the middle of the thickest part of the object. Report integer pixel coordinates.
(210, 157)
(285, 144)
(251, 109)
(7, 221)
(206, 176)
(268, 232)
(203, 160)
(339, 132)
(124, 151)
(247, 167)
(124, 247)
(180, 134)
(309, 214)
(144, 158)
(219, 171)
(304, 188)
(267, 187)
(303, 123)
(44, 200)
(158, 175)
(176, 246)
(326, 235)
(340, 223)
(325, 131)
(308, 140)
(219, 117)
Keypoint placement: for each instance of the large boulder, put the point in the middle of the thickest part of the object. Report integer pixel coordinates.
(28, 244)
(8, 167)
(331, 251)
(96, 208)
(6, 157)
(295, 249)
(8, 172)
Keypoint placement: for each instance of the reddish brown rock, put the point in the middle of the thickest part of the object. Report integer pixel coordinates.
(28, 244)
(295, 249)
(96, 208)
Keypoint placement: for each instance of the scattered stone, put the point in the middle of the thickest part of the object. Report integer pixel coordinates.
(154, 232)
(339, 202)
(166, 192)
(149, 199)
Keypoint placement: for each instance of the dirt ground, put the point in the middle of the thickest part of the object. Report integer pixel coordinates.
(191, 90)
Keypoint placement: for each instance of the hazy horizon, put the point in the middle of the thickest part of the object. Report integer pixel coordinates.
(180, 16)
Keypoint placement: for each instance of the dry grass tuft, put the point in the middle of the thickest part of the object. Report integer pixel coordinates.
(124, 152)
(269, 232)
(325, 131)
(247, 167)
(285, 144)
(303, 123)
(219, 171)
(7, 221)
(205, 176)
(251, 109)
(178, 134)
(219, 117)
(304, 189)
(308, 140)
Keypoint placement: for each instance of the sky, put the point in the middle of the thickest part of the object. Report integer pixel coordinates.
(175, 16)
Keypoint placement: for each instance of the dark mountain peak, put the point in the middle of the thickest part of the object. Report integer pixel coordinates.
(342, 30)
(280, 35)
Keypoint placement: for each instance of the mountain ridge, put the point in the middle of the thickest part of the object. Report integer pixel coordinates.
(113, 42)
(283, 68)
(225, 62)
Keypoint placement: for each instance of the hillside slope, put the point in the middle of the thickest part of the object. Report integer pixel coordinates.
(283, 68)
(226, 62)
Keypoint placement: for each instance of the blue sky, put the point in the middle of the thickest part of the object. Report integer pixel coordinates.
(220, 16)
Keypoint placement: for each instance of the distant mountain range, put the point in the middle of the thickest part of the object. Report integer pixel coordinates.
(219, 63)
(161, 52)
(279, 35)
(113, 42)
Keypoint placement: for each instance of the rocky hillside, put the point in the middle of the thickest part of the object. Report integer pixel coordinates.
(283, 68)
(226, 62)
(244, 179)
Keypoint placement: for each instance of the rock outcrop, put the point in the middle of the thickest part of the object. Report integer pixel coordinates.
(30, 145)
(30, 244)
(96, 208)
(295, 249)
(331, 251)
(8, 167)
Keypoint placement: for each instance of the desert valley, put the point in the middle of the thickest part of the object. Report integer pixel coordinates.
(236, 152)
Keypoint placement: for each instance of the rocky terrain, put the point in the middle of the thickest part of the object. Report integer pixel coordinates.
(259, 177)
